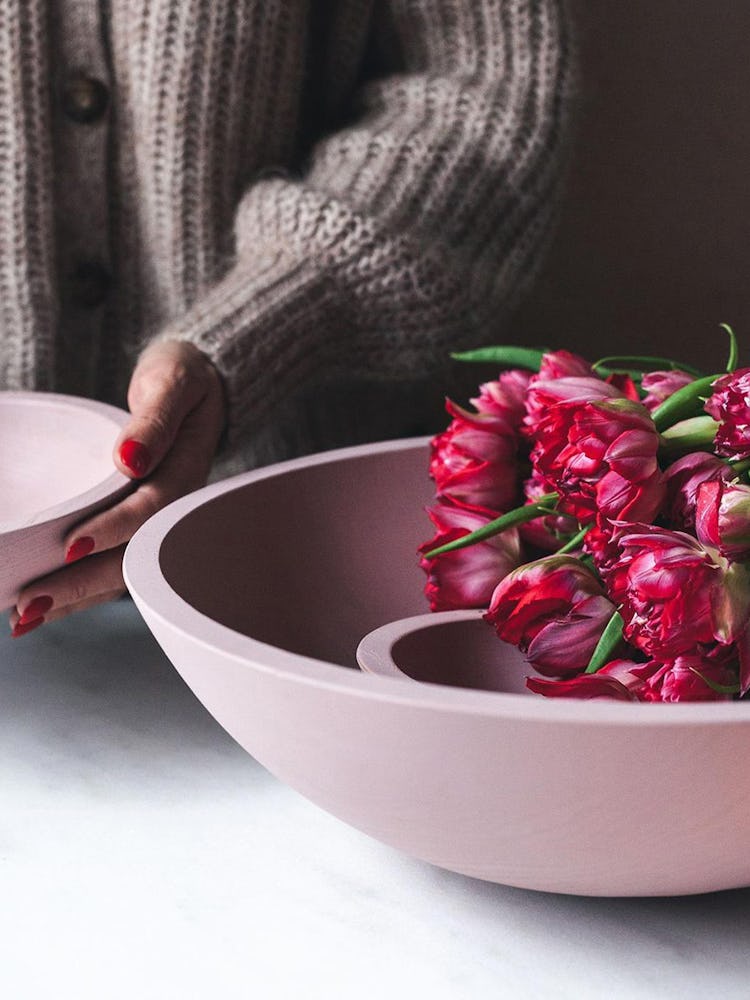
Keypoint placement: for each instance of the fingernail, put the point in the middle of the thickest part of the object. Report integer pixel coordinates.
(135, 456)
(39, 606)
(80, 548)
(22, 628)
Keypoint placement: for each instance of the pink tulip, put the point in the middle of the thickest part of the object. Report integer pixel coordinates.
(545, 393)
(599, 543)
(554, 610)
(562, 364)
(625, 385)
(466, 578)
(722, 518)
(687, 678)
(683, 478)
(660, 385)
(730, 405)
(673, 593)
(601, 458)
(614, 680)
(545, 533)
(474, 460)
(504, 399)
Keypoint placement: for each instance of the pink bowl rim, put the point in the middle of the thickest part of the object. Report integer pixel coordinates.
(106, 488)
(159, 602)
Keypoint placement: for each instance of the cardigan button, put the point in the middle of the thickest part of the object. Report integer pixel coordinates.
(89, 283)
(84, 99)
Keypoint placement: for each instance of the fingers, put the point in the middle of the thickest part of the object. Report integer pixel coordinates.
(116, 526)
(92, 581)
(184, 469)
(178, 412)
(170, 381)
(31, 623)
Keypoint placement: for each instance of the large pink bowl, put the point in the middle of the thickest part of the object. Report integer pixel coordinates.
(56, 469)
(260, 588)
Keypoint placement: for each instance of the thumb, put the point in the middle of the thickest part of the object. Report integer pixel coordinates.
(170, 380)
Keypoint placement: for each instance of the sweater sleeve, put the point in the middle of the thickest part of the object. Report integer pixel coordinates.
(414, 229)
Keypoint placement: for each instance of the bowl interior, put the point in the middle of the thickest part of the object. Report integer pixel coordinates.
(310, 559)
(51, 451)
(460, 652)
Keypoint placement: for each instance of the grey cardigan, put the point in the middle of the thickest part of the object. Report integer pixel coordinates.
(325, 196)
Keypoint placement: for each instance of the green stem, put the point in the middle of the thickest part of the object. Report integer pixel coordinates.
(651, 363)
(504, 356)
(635, 373)
(741, 466)
(686, 402)
(718, 688)
(608, 642)
(575, 542)
(544, 505)
(733, 350)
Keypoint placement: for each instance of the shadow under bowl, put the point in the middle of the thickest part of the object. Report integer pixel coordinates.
(57, 469)
(260, 588)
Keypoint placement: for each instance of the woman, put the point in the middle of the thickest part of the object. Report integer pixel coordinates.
(264, 223)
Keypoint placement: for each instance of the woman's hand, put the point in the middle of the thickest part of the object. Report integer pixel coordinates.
(177, 406)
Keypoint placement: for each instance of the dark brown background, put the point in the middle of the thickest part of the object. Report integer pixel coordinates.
(653, 250)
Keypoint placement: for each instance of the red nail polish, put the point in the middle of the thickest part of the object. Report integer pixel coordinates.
(39, 606)
(81, 547)
(23, 628)
(135, 456)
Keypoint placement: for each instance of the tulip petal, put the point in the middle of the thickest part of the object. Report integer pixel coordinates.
(587, 686)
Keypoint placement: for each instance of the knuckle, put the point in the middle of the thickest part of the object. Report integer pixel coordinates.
(166, 372)
(182, 375)
(167, 382)
(150, 500)
(160, 420)
(118, 528)
(78, 591)
(155, 381)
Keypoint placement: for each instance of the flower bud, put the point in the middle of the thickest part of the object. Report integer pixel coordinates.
(658, 386)
(730, 405)
(544, 393)
(554, 610)
(562, 364)
(466, 578)
(674, 594)
(722, 518)
(683, 478)
(474, 460)
(601, 458)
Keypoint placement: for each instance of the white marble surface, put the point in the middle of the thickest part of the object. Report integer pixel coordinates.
(143, 854)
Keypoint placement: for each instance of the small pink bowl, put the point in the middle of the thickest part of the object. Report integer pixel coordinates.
(57, 468)
(452, 648)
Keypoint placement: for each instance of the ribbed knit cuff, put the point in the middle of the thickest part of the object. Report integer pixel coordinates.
(320, 300)
(250, 325)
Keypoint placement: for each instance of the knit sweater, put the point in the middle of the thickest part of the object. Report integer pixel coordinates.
(325, 196)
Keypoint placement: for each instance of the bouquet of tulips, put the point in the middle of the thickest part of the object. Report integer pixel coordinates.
(600, 513)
